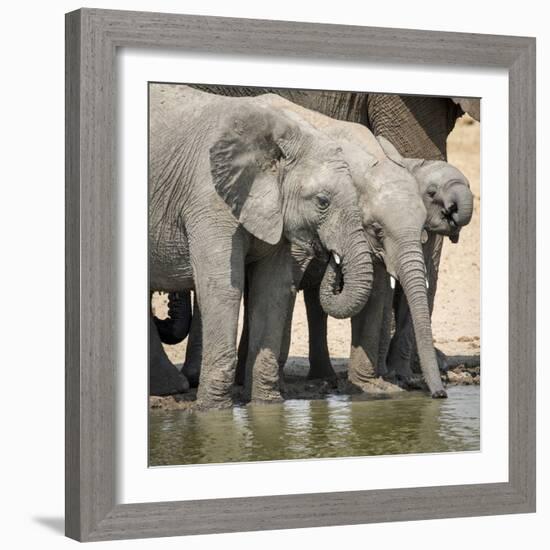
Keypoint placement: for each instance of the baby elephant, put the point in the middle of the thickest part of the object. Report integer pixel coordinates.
(449, 204)
(448, 201)
(394, 218)
(235, 182)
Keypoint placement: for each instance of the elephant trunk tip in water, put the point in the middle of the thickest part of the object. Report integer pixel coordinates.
(412, 276)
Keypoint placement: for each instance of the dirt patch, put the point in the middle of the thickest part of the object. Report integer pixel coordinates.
(456, 316)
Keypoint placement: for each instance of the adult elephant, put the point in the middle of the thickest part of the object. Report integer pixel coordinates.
(441, 186)
(235, 182)
(418, 128)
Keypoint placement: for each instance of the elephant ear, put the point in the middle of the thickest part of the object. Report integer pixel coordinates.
(391, 152)
(424, 172)
(245, 166)
(413, 165)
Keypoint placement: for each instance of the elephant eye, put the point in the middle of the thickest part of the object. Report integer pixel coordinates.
(431, 191)
(322, 202)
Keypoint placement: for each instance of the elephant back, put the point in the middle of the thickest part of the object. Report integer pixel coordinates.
(347, 106)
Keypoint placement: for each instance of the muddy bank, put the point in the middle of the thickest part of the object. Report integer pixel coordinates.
(463, 371)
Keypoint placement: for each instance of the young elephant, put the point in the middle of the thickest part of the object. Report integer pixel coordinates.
(233, 182)
(394, 217)
(449, 204)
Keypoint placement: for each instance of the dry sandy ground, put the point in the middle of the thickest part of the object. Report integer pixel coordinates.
(456, 317)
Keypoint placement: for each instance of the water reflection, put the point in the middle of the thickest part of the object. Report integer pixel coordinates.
(334, 427)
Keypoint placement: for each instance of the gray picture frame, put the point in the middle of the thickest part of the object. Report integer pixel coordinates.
(92, 39)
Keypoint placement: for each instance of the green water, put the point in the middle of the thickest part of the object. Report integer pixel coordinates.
(338, 426)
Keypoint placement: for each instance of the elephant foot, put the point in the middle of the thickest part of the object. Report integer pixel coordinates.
(400, 368)
(330, 383)
(207, 405)
(315, 389)
(192, 373)
(321, 369)
(442, 362)
(165, 379)
(409, 381)
(376, 386)
(270, 401)
(323, 385)
(266, 397)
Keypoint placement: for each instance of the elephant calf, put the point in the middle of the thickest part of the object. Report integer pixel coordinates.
(236, 182)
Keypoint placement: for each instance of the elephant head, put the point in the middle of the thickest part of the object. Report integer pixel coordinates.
(447, 196)
(445, 191)
(280, 176)
(393, 216)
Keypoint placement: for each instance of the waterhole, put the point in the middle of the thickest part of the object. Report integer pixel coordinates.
(338, 426)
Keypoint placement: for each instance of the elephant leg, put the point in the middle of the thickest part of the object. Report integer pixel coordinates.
(219, 281)
(243, 342)
(366, 332)
(287, 337)
(267, 315)
(164, 378)
(319, 357)
(385, 334)
(402, 346)
(193, 352)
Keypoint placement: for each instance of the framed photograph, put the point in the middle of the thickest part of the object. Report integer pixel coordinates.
(300, 275)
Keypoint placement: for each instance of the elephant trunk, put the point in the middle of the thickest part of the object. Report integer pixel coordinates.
(411, 272)
(458, 202)
(464, 200)
(347, 281)
(175, 327)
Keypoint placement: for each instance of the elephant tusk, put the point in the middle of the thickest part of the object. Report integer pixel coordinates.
(392, 282)
(336, 258)
(427, 283)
